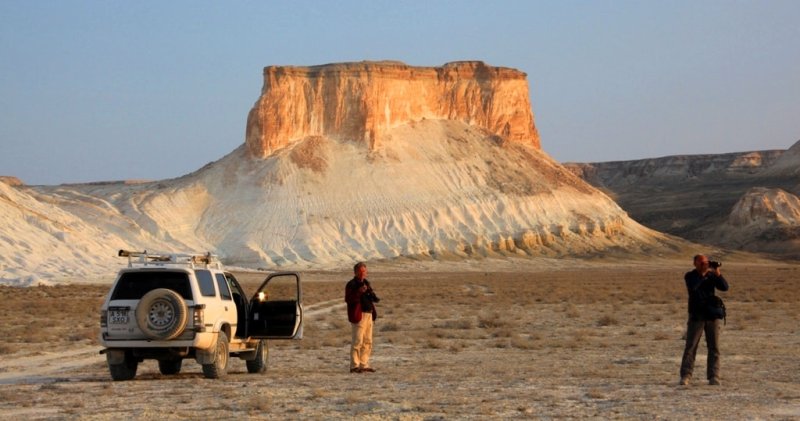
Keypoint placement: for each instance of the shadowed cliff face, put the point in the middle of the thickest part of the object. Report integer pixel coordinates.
(745, 201)
(362, 101)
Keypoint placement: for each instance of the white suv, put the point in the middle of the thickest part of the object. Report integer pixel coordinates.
(171, 307)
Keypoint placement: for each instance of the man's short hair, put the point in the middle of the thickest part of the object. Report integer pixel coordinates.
(358, 265)
(697, 256)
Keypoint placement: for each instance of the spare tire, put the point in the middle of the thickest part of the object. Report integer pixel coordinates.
(162, 314)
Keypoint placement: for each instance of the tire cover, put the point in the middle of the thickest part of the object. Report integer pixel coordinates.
(162, 314)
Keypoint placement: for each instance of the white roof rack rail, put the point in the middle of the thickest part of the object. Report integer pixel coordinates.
(192, 260)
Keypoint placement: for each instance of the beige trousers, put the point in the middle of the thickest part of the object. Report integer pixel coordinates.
(361, 346)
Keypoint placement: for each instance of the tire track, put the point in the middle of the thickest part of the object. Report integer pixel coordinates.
(324, 307)
(46, 368)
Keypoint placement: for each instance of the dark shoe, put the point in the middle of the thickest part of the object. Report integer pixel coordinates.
(714, 382)
(355, 370)
(368, 369)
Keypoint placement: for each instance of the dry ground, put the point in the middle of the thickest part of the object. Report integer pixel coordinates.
(602, 343)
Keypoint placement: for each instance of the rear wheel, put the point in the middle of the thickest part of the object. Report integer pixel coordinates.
(124, 371)
(170, 366)
(219, 367)
(259, 363)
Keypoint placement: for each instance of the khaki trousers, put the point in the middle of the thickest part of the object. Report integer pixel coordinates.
(361, 346)
(694, 330)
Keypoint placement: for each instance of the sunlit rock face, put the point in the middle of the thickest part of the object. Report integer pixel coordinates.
(361, 101)
(766, 207)
(766, 220)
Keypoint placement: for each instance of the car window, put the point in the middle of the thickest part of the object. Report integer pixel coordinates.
(206, 283)
(134, 285)
(224, 291)
(234, 284)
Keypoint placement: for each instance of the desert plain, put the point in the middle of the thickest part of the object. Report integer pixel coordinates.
(599, 340)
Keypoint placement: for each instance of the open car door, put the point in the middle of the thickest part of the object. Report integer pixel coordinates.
(276, 310)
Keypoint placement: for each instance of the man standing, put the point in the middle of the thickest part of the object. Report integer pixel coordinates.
(361, 313)
(701, 283)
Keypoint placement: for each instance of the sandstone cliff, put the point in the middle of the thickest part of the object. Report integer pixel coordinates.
(362, 101)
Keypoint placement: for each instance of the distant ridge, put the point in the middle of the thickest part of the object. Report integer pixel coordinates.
(705, 198)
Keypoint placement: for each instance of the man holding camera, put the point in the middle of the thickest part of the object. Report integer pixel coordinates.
(361, 313)
(701, 283)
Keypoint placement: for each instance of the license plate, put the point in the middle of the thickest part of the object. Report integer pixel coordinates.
(117, 317)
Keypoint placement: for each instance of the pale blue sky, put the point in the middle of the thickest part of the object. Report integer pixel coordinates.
(109, 90)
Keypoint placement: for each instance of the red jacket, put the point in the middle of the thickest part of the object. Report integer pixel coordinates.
(352, 296)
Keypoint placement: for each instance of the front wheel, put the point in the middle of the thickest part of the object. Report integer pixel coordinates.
(124, 371)
(259, 363)
(169, 366)
(219, 367)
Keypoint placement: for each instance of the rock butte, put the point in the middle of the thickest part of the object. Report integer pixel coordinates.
(362, 101)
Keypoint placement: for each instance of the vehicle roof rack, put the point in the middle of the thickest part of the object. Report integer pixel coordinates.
(193, 260)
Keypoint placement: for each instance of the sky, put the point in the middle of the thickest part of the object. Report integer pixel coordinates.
(112, 90)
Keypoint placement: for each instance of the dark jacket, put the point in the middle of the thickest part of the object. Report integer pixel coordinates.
(700, 288)
(357, 301)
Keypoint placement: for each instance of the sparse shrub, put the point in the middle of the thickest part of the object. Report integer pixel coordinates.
(457, 346)
(607, 321)
(319, 394)
(462, 324)
(571, 311)
(338, 324)
(595, 394)
(524, 343)
(750, 316)
(440, 334)
(660, 336)
(335, 341)
(502, 344)
(311, 343)
(503, 333)
(259, 403)
(493, 321)
(390, 327)
(89, 334)
(434, 343)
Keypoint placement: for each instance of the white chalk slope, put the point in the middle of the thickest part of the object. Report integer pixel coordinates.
(432, 190)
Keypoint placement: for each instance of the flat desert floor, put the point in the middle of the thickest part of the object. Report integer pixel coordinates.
(599, 342)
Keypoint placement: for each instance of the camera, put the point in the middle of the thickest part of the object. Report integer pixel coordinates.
(714, 264)
(370, 294)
